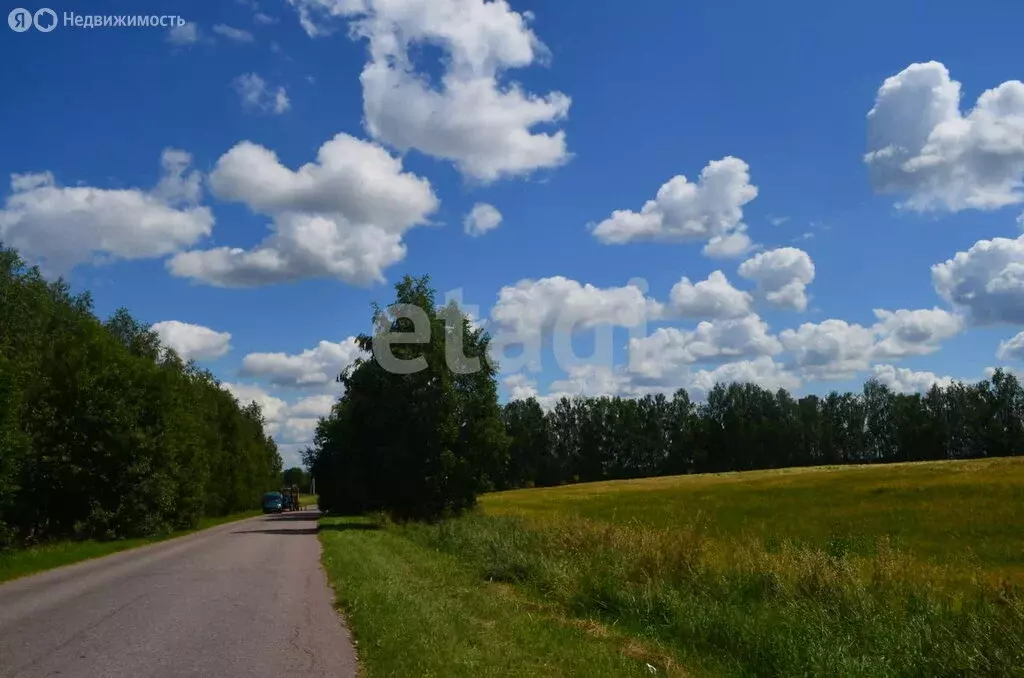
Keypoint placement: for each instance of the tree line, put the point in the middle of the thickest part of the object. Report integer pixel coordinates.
(422, 445)
(742, 427)
(106, 433)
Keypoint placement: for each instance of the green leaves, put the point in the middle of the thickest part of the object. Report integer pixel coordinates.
(105, 433)
(419, 444)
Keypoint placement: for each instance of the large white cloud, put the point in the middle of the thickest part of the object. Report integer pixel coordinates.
(763, 371)
(987, 281)
(1012, 348)
(832, 349)
(471, 116)
(61, 227)
(342, 216)
(669, 350)
(782, 276)
(711, 298)
(193, 342)
(904, 380)
(917, 332)
(531, 308)
(317, 366)
(922, 146)
(836, 349)
(710, 209)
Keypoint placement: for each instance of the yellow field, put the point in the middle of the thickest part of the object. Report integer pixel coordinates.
(951, 513)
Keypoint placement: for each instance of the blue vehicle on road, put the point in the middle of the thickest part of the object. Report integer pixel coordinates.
(273, 502)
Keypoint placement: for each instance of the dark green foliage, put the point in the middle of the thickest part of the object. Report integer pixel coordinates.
(419, 445)
(295, 476)
(105, 433)
(742, 427)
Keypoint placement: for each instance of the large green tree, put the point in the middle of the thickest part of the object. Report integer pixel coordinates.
(418, 431)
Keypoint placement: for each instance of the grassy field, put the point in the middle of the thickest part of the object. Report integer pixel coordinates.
(910, 569)
(46, 557)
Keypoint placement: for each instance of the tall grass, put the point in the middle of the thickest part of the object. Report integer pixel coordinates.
(753, 606)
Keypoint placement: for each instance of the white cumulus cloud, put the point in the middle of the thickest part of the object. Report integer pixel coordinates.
(922, 146)
(904, 380)
(341, 217)
(709, 210)
(531, 308)
(472, 116)
(711, 298)
(782, 276)
(481, 218)
(668, 350)
(60, 227)
(986, 281)
(193, 342)
(1012, 349)
(318, 366)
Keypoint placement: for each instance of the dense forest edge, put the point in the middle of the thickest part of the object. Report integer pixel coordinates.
(107, 434)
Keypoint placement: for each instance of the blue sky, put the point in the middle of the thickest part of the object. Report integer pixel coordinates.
(557, 115)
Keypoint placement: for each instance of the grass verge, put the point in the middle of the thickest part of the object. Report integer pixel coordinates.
(417, 612)
(21, 563)
(897, 570)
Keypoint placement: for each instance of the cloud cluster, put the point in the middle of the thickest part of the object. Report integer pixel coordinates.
(836, 349)
(669, 351)
(713, 298)
(709, 210)
(193, 342)
(782, 276)
(531, 308)
(904, 380)
(920, 144)
(63, 226)
(986, 281)
(487, 127)
(342, 216)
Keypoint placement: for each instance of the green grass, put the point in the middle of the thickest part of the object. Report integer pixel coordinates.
(909, 570)
(21, 563)
(417, 612)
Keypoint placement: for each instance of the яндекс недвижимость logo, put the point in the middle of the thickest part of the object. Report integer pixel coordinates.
(20, 20)
(45, 20)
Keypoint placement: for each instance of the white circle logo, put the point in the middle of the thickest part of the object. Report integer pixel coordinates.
(20, 19)
(45, 26)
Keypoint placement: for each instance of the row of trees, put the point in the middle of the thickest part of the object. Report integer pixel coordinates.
(422, 445)
(743, 427)
(106, 433)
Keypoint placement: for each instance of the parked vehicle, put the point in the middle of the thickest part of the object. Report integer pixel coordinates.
(273, 502)
(290, 499)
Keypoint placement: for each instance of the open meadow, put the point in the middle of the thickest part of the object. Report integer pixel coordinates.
(900, 569)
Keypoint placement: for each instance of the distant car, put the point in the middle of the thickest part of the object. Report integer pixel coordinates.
(273, 502)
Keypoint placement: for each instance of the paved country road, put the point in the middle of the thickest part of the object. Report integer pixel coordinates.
(244, 599)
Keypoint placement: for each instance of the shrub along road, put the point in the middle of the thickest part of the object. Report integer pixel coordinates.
(243, 599)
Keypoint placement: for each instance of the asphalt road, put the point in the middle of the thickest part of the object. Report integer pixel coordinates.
(243, 599)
